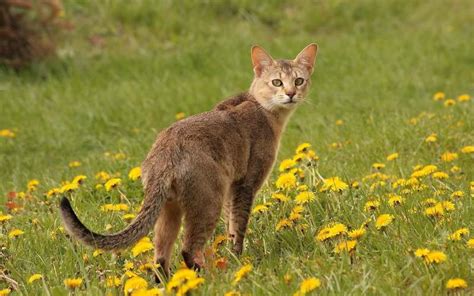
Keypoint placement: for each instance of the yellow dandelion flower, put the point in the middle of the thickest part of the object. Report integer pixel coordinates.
(34, 278)
(355, 185)
(449, 103)
(302, 187)
(5, 292)
(448, 206)
(440, 175)
(467, 149)
(311, 155)
(459, 234)
(4, 218)
(114, 207)
(97, 252)
(378, 165)
(339, 122)
(449, 156)
(112, 281)
(242, 272)
(73, 283)
(421, 253)
(15, 233)
(69, 187)
(296, 213)
(464, 98)
(128, 217)
(346, 246)
(286, 164)
(142, 246)
(180, 115)
(302, 148)
(259, 209)
(392, 156)
(79, 179)
(102, 176)
(331, 231)
(232, 293)
(74, 164)
(383, 221)
(7, 133)
(133, 284)
(334, 184)
(147, 292)
(128, 265)
(307, 286)
(456, 283)
(356, 233)
(439, 96)
(112, 183)
(371, 205)
(135, 173)
(435, 257)
(286, 181)
(435, 211)
(280, 197)
(33, 185)
(52, 192)
(457, 194)
(470, 243)
(219, 240)
(119, 156)
(395, 200)
(284, 223)
(304, 197)
(431, 138)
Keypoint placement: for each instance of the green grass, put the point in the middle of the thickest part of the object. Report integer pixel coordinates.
(379, 64)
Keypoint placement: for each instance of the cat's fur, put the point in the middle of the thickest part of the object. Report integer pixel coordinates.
(214, 160)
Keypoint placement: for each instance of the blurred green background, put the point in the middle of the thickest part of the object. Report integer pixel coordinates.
(127, 67)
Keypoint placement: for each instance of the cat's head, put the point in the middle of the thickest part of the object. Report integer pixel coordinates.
(282, 84)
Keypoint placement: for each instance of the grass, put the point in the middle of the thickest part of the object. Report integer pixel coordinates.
(127, 69)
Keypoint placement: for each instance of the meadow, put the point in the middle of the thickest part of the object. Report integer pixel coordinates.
(372, 193)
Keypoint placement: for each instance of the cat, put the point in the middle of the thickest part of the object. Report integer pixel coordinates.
(211, 161)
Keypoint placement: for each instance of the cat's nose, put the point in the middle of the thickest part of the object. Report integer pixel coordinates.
(291, 94)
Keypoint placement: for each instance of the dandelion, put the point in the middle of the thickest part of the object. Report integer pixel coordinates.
(457, 194)
(73, 283)
(4, 218)
(242, 272)
(4, 292)
(119, 156)
(112, 281)
(470, 243)
(34, 278)
(449, 156)
(284, 223)
(232, 293)
(97, 252)
(15, 233)
(286, 181)
(304, 197)
(435, 211)
(440, 175)
(371, 205)
(356, 233)
(331, 231)
(302, 187)
(334, 184)
(449, 103)
(431, 138)
(134, 284)
(456, 283)
(392, 156)
(52, 192)
(79, 179)
(464, 98)
(347, 246)
(383, 221)
(7, 133)
(219, 240)
(114, 207)
(135, 173)
(128, 217)
(142, 246)
(302, 148)
(435, 257)
(183, 281)
(69, 187)
(307, 286)
(459, 234)
(422, 252)
(339, 122)
(467, 149)
(259, 209)
(286, 164)
(102, 176)
(32, 185)
(280, 197)
(74, 164)
(112, 183)
(439, 96)
(180, 115)
(378, 165)
(395, 200)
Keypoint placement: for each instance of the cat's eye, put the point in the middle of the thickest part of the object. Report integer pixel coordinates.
(299, 81)
(277, 82)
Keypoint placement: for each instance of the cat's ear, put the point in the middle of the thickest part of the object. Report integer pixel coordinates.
(307, 56)
(260, 59)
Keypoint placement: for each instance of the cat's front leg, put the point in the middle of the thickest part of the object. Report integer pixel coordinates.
(239, 215)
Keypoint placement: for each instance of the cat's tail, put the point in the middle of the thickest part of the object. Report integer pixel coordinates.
(138, 228)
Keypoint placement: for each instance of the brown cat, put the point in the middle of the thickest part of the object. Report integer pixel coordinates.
(214, 160)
